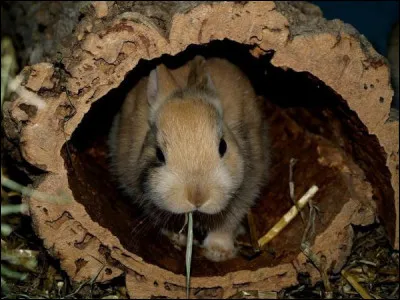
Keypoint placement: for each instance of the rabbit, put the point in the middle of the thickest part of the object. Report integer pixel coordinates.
(193, 139)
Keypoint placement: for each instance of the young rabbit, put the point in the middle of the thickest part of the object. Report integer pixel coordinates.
(193, 139)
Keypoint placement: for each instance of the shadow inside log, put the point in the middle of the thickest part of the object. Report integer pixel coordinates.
(308, 121)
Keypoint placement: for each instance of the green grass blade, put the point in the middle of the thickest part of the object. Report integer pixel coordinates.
(189, 246)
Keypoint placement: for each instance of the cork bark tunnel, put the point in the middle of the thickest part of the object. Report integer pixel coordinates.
(327, 98)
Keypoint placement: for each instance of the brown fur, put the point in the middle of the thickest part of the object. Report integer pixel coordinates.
(185, 112)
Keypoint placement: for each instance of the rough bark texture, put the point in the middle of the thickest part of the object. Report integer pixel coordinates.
(359, 151)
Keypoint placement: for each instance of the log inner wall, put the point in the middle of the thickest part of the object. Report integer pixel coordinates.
(308, 121)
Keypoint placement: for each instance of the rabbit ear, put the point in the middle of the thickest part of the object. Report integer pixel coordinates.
(160, 85)
(198, 75)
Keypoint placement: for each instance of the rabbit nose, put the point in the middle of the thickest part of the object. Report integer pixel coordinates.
(197, 196)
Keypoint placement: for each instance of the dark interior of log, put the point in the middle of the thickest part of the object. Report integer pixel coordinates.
(303, 113)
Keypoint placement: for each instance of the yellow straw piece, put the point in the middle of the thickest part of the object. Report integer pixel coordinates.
(287, 218)
(354, 283)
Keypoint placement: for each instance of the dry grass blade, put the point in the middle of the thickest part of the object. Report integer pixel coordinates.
(27, 96)
(11, 273)
(22, 257)
(5, 229)
(305, 248)
(13, 209)
(310, 227)
(318, 261)
(320, 264)
(189, 248)
(8, 65)
(253, 231)
(12, 83)
(354, 283)
(8, 183)
(184, 225)
(287, 218)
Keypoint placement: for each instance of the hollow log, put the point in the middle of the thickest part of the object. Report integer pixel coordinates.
(327, 95)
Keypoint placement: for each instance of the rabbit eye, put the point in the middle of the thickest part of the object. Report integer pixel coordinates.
(222, 147)
(160, 155)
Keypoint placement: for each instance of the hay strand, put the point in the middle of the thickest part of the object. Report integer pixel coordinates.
(189, 247)
(287, 218)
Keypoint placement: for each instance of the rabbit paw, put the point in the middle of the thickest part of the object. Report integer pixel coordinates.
(219, 246)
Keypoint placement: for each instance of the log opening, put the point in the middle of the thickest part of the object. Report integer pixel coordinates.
(308, 121)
